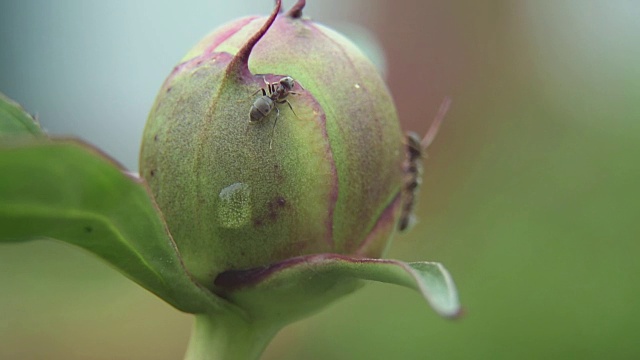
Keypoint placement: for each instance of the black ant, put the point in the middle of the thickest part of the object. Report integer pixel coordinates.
(276, 93)
(415, 149)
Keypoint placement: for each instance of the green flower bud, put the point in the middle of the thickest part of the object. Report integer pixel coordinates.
(245, 181)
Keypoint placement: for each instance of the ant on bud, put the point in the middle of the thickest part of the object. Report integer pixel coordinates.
(276, 93)
(412, 167)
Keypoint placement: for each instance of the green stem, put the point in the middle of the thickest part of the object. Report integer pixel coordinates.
(228, 336)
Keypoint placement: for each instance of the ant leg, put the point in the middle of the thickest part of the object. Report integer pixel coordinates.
(254, 94)
(270, 86)
(298, 82)
(273, 132)
(435, 125)
(291, 107)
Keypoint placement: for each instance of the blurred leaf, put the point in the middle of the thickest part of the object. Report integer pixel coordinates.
(14, 120)
(299, 286)
(67, 190)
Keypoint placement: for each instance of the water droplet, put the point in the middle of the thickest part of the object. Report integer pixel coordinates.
(235, 205)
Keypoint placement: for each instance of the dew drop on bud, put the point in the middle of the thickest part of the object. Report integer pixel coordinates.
(235, 206)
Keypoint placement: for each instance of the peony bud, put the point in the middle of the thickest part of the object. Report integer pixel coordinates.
(275, 159)
(244, 182)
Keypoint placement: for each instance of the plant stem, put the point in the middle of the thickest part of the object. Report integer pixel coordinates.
(228, 336)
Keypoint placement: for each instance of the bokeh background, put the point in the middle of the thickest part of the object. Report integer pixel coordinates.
(530, 198)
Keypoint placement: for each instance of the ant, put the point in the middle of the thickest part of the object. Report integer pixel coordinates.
(415, 150)
(276, 93)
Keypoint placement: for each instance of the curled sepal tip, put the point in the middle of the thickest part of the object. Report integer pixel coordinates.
(304, 284)
(240, 63)
(296, 10)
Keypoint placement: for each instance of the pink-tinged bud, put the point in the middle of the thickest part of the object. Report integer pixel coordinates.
(238, 189)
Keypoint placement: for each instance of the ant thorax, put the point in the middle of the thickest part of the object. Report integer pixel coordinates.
(412, 169)
(287, 83)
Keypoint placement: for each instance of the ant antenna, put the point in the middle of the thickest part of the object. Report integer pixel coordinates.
(435, 125)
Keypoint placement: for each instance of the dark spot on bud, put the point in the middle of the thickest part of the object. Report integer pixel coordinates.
(274, 208)
(152, 173)
(169, 89)
(88, 229)
(155, 138)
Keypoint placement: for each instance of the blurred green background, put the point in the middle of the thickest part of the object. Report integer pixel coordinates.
(530, 196)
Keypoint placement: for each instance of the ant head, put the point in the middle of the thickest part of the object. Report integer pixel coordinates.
(287, 82)
(414, 146)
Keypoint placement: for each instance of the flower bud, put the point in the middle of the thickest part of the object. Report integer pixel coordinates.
(250, 169)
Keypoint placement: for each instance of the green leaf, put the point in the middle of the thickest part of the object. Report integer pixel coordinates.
(67, 190)
(14, 120)
(297, 287)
